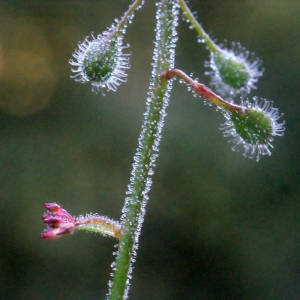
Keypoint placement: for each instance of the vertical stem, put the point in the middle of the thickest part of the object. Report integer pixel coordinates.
(147, 151)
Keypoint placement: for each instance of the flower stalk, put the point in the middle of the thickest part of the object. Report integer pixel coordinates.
(126, 17)
(213, 47)
(147, 151)
(202, 90)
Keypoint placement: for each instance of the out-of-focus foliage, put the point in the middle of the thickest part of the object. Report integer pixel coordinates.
(218, 226)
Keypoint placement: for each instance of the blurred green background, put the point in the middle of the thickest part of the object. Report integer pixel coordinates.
(218, 225)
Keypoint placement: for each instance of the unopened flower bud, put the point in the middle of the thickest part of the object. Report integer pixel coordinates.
(58, 221)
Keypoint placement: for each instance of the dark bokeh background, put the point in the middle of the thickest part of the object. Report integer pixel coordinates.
(218, 225)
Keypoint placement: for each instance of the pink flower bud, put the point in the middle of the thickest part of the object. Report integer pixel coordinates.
(58, 221)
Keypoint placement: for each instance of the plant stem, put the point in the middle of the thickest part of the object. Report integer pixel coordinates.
(128, 14)
(208, 41)
(100, 224)
(147, 151)
(202, 90)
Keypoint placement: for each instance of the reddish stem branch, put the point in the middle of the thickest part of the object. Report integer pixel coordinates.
(202, 90)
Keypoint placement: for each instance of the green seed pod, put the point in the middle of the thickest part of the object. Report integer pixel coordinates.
(233, 72)
(253, 127)
(101, 62)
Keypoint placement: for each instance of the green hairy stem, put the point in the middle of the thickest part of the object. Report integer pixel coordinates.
(147, 151)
